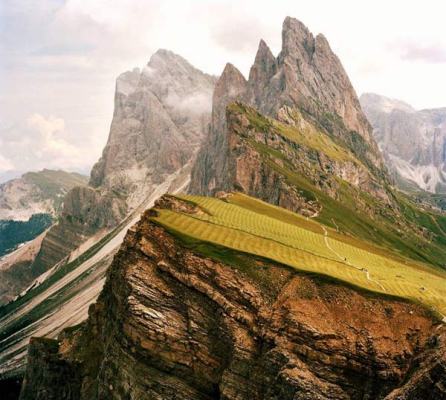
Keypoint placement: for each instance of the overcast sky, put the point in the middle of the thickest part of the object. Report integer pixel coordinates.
(59, 59)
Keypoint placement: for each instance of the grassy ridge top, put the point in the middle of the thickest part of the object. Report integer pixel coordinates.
(251, 226)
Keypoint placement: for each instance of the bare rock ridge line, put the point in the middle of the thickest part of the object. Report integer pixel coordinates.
(172, 323)
(413, 142)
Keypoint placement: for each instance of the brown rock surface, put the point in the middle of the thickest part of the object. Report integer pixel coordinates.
(174, 324)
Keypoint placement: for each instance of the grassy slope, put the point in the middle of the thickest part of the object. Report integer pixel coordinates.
(250, 226)
(398, 230)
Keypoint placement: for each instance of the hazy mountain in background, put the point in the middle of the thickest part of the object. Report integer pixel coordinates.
(413, 142)
(36, 193)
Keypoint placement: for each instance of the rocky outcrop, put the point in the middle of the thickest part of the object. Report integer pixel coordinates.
(173, 323)
(306, 76)
(413, 142)
(85, 212)
(48, 367)
(161, 116)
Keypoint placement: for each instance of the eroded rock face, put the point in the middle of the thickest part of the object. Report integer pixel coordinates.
(161, 116)
(172, 323)
(413, 142)
(307, 76)
(85, 212)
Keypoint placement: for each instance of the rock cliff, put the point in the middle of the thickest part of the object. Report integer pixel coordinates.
(173, 323)
(161, 115)
(413, 142)
(306, 76)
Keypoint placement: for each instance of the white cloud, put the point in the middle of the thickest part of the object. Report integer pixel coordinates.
(430, 53)
(44, 143)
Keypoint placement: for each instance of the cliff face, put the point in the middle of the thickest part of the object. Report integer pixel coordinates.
(85, 212)
(306, 76)
(161, 116)
(264, 157)
(173, 323)
(413, 142)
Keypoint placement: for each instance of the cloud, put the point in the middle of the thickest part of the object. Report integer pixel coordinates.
(5, 164)
(426, 53)
(197, 103)
(44, 143)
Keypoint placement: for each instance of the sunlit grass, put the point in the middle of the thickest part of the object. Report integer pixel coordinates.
(251, 226)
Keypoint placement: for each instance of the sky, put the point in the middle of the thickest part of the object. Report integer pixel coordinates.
(59, 59)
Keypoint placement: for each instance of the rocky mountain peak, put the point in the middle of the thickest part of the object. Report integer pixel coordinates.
(297, 40)
(306, 76)
(161, 115)
(264, 67)
(230, 86)
(313, 76)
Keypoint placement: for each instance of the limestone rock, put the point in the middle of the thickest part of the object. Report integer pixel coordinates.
(161, 116)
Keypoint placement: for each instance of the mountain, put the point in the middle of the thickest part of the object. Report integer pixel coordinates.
(161, 115)
(237, 299)
(309, 159)
(294, 270)
(306, 76)
(413, 142)
(36, 193)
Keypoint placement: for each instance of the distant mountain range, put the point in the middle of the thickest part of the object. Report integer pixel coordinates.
(413, 142)
(36, 193)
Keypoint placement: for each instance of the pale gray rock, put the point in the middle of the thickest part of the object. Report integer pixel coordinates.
(413, 142)
(161, 116)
